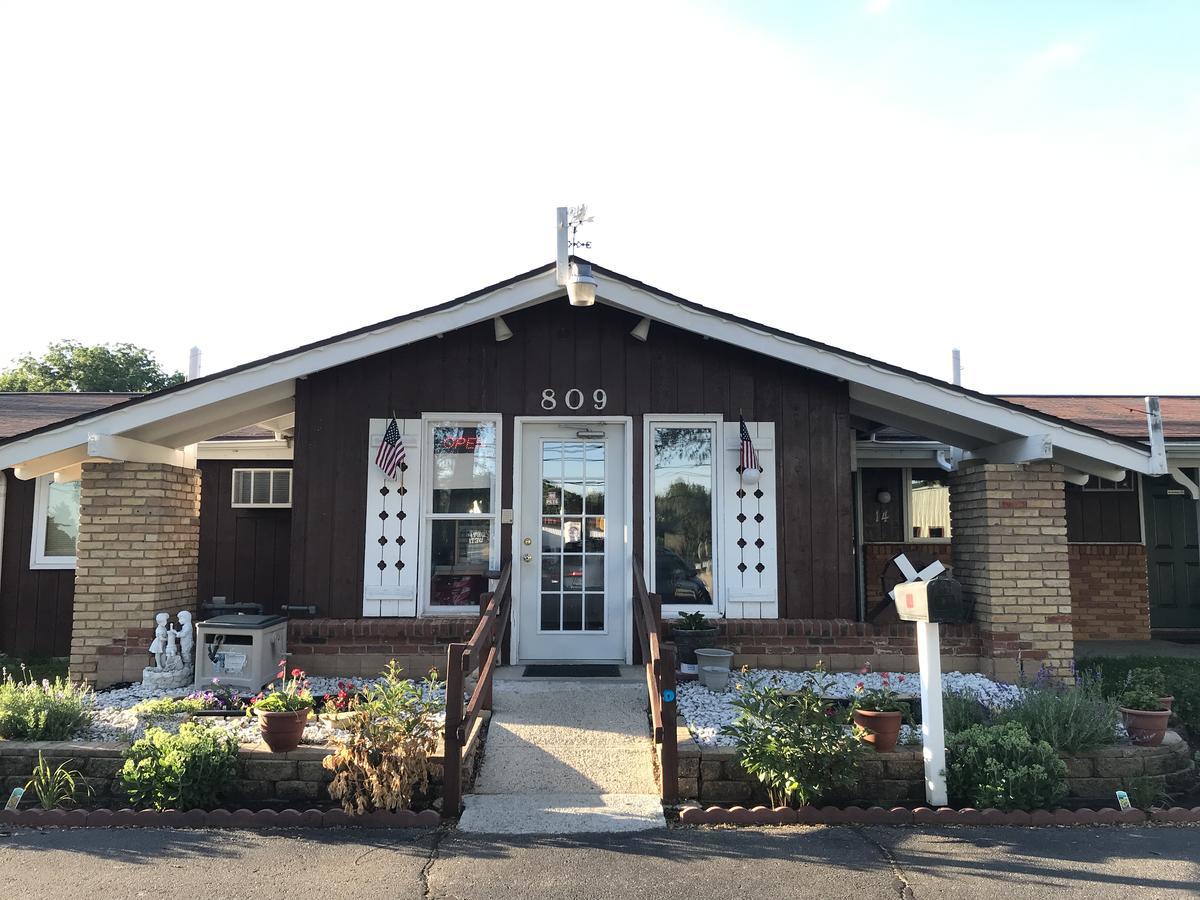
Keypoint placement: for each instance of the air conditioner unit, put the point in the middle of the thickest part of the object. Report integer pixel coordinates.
(240, 651)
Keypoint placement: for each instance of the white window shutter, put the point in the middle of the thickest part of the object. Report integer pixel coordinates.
(746, 519)
(392, 526)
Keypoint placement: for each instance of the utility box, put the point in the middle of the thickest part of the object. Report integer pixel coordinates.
(241, 651)
(939, 600)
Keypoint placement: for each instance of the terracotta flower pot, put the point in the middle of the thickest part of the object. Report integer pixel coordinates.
(282, 730)
(1146, 728)
(883, 728)
(1166, 702)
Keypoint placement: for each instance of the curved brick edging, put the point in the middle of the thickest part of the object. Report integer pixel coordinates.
(218, 818)
(924, 815)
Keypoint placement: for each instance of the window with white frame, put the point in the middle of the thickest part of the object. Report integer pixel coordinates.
(262, 488)
(462, 510)
(1102, 485)
(55, 524)
(682, 474)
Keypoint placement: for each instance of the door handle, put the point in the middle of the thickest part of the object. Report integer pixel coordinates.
(527, 557)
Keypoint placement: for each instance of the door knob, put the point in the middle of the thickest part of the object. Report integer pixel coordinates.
(527, 557)
(527, 541)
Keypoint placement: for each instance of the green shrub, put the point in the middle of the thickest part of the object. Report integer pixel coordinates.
(1070, 718)
(42, 710)
(168, 706)
(1001, 767)
(1150, 678)
(179, 771)
(796, 745)
(58, 786)
(1181, 675)
(1141, 698)
(961, 711)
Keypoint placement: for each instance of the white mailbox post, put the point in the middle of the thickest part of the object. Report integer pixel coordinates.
(926, 603)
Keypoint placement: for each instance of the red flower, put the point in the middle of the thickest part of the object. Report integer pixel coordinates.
(860, 685)
(296, 673)
(281, 674)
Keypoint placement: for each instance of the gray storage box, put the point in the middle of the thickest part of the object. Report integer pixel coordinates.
(240, 651)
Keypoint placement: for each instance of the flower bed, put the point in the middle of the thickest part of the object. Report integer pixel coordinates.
(706, 712)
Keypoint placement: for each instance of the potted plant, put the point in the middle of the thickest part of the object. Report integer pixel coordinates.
(692, 632)
(1145, 716)
(1152, 679)
(880, 712)
(283, 711)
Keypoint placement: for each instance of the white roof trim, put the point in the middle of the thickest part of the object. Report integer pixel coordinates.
(945, 412)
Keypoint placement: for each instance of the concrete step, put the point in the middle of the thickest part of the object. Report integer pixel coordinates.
(561, 813)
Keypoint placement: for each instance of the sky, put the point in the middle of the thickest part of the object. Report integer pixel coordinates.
(896, 177)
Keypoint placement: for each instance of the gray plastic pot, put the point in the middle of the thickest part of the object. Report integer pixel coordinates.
(714, 664)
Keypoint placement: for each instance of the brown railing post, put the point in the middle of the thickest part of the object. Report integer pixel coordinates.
(669, 763)
(490, 612)
(452, 751)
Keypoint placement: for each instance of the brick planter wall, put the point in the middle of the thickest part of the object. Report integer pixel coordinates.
(841, 645)
(365, 646)
(1110, 598)
(139, 540)
(714, 775)
(264, 778)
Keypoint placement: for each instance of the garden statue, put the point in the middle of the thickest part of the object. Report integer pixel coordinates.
(172, 648)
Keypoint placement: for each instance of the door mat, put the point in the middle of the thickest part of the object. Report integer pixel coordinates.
(593, 670)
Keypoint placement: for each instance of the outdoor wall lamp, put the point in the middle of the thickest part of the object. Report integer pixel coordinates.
(503, 332)
(576, 276)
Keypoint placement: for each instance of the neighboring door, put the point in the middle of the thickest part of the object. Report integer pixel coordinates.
(571, 547)
(1174, 554)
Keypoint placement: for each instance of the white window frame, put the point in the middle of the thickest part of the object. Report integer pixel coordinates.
(907, 478)
(270, 505)
(37, 544)
(429, 421)
(716, 421)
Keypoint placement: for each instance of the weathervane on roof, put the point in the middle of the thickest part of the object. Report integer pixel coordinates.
(576, 276)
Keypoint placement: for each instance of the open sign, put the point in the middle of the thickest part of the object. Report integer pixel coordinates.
(462, 443)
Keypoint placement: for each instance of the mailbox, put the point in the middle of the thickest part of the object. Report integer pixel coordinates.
(939, 600)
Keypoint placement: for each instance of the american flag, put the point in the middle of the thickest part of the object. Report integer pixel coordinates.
(391, 450)
(749, 454)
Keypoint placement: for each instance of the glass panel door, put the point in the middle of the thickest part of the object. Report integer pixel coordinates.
(572, 545)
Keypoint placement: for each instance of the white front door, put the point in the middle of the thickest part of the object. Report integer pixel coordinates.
(571, 543)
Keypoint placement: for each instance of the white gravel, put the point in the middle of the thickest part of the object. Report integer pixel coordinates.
(114, 720)
(706, 712)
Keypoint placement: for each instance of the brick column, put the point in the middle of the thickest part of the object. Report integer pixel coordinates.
(139, 542)
(1010, 553)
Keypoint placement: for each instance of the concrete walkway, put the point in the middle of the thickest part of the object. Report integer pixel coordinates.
(565, 757)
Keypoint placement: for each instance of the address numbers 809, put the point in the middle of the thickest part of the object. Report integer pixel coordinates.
(574, 399)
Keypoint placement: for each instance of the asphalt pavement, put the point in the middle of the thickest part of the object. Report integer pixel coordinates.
(695, 862)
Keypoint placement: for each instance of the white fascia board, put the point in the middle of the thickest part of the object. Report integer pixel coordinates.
(935, 400)
(45, 465)
(249, 449)
(979, 420)
(148, 413)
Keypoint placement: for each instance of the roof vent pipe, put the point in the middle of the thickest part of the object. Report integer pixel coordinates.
(194, 364)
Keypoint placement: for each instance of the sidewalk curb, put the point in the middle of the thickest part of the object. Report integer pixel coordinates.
(924, 815)
(218, 818)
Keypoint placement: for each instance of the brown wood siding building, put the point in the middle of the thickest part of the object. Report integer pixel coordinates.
(557, 346)
(243, 551)
(35, 604)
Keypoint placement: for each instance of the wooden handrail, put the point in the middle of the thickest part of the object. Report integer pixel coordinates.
(464, 721)
(660, 683)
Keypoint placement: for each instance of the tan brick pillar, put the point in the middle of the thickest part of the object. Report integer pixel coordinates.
(1009, 530)
(139, 543)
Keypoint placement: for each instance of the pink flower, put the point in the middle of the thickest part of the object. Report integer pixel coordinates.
(899, 677)
(296, 673)
(860, 686)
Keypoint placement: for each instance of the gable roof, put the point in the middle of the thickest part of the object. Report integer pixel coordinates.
(1120, 414)
(23, 411)
(879, 392)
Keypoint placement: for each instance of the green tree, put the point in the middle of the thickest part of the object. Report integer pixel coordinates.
(72, 366)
